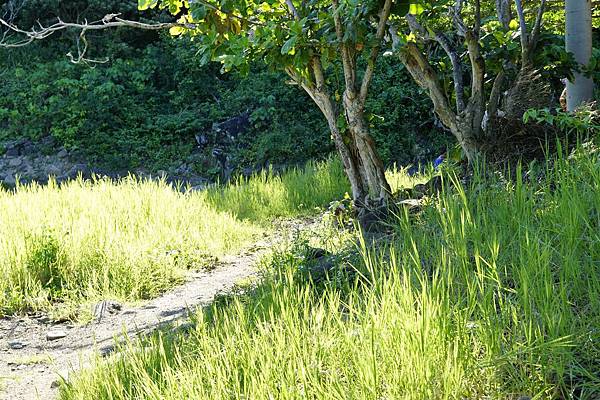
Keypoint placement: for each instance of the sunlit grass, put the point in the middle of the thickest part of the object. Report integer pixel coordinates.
(491, 291)
(63, 246)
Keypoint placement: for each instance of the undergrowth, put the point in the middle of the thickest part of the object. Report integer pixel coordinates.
(490, 291)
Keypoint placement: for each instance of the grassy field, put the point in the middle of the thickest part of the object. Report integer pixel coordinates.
(62, 247)
(491, 291)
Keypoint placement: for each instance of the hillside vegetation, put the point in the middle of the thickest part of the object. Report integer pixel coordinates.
(490, 291)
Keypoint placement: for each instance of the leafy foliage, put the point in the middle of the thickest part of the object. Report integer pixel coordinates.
(143, 107)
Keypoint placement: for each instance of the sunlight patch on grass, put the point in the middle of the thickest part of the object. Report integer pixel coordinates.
(62, 246)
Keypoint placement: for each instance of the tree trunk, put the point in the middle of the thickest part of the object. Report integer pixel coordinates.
(346, 148)
(578, 40)
(371, 166)
(466, 126)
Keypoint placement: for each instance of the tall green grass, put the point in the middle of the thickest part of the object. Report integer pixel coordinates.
(492, 291)
(63, 246)
(296, 192)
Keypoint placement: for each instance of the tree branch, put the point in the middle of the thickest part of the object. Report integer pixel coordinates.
(477, 25)
(457, 70)
(522, 24)
(456, 14)
(426, 77)
(383, 18)
(477, 70)
(492, 108)
(292, 9)
(349, 74)
(110, 21)
(535, 33)
(503, 12)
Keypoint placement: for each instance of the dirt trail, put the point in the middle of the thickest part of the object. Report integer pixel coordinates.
(33, 371)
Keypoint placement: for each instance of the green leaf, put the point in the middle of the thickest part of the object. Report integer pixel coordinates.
(416, 9)
(289, 45)
(176, 30)
(513, 24)
(146, 4)
(197, 11)
(400, 8)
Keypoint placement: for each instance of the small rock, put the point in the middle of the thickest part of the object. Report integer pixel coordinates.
(53, 170)
(15, 162)
(77, 169)
(48, 140)
(63, 153)
(10, 180)
(62, 377)
(107, 306)
(28, 148)
(16, 345)
(12, 152)
(55, 334)
(197, 188)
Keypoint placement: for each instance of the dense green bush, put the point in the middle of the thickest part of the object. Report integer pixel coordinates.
(144, 105)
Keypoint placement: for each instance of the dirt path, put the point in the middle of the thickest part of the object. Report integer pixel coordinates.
(31, 365)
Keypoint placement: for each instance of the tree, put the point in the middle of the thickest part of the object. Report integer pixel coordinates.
(578, 40)
(489, 47)
(309, 40)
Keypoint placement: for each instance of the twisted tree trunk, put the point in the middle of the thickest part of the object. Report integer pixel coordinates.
(370, 163)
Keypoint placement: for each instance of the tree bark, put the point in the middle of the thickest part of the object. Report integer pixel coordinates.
(371, 165)
(466, 125)
(346, 148)
(578, 40)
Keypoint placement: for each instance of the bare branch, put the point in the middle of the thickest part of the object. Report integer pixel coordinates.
(114, 21)
(504, 13)
(456, 14)
(457, 70)
(383, 18)
(426, 77)
(292, 9)
(535, 33)
(450, 50)
(349, 74)
(522, 24)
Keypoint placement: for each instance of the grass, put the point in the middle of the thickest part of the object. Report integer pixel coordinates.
(491, 291)
(62, 247)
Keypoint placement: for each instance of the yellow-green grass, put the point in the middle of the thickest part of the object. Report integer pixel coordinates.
(63, 246)
(490, 292)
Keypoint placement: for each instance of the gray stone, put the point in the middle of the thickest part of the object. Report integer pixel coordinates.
(77, 169)
(48, 141)
(10, 180)
(197, 188)
(28, 148)
(16, 345)
(53, 170)
(55, 334)
(12, 152)
(15, 162)
(63, 153)
(106, 306)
